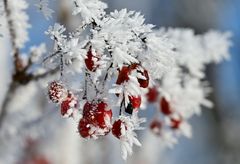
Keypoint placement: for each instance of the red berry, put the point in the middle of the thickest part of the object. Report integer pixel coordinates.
(135, 101)
(57, 92)
(117, 128)
(68, 103)
(83, 128)
(152, 94)
(175, 123)
(123, 75)
(89, 61)
(97, 113)
(144, 82)
(156, 126)
(165, 107)
(102, 114)
(88, 110)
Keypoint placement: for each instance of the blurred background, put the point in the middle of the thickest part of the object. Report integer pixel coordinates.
(215, 134)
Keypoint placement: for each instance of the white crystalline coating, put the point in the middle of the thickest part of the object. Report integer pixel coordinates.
(19, 19)
(74, 55)
(159, 57)
(217, 45)
(43, 6)
(90, 10)
(184, 86)
(37, 52)
(56, 32)
(128, 137)
(126, 34)
(176, 58)
(195, 51)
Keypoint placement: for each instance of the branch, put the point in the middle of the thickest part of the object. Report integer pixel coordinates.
(20, 79)
(17, 61)
(43, 75)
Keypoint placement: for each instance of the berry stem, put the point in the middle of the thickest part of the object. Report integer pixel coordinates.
(120, 111)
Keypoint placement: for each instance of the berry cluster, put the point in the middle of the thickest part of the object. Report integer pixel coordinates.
(60, 95)
(173, 118)
(97, 116)
(143, 79)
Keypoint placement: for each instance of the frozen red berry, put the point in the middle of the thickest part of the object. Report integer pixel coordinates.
(57, 92)
(144, 82)
(152, 94)
(134, 103)
(117, 128)
(90, 61)
(68, 104)
(97, 114)
(165, 106)
(123, 75)
(103, 117)
(175, 123)
(84, 128)
(156, 126)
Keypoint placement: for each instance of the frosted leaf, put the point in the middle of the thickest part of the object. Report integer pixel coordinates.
(158, 58)
(56, 32)
(121, 34)
(216, 45)
(185, 129)
(128, 137)
(90, 10)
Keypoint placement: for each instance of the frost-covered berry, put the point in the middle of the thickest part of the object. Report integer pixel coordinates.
(152, 94)
(57, 92)
(90, 61)
(97, 114)
(175, 123)
(96, 120)
(84, 128)
(134, 103)
(123, 75)
(165, 106)
(117, 128)
(156, 126)
(68, 105)
(144, 80)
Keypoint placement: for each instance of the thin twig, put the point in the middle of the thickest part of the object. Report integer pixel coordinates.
(43, 75)
(120, 110)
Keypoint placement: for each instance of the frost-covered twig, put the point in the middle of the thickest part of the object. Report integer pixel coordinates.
(43, 6)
